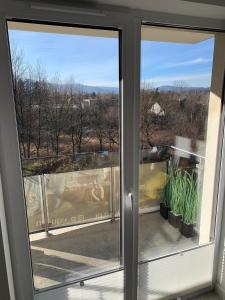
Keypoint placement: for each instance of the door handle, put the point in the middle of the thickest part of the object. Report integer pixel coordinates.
(131, 202)
(132, 211)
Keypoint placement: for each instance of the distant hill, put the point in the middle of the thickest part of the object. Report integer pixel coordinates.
(163, 88)
(102, 89)
(168, 88)
(94, 89)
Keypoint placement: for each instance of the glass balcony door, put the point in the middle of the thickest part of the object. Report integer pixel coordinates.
(179, 125)
(68, 108)
(90, 227)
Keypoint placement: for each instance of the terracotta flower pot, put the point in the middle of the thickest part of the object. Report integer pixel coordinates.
(174, 220)
(164, 210)
(187, 230)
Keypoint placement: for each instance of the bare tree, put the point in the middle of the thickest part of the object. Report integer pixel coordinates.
(19, 70)
(112, 123)
(79, 121)
(41, 94)
(57, 113)
(98, 121)
(146, 124)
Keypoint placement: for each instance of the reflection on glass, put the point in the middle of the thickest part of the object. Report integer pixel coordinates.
(175, 90)
(66, 87)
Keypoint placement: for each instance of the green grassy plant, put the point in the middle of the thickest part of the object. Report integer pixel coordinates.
(181, 194)
(176, 198)
(190, 199)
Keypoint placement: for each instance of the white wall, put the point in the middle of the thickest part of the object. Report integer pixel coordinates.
(213, 126)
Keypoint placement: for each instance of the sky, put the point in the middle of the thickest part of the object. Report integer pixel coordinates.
(169, 63)
(94, 61)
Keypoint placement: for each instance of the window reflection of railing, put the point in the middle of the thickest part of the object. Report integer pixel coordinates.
(187, 152)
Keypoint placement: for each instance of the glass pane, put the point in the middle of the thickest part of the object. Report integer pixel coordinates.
(106, 287)
(79, 188)
(32, 186)
(66, 88)
(178, 112)
(173, 276)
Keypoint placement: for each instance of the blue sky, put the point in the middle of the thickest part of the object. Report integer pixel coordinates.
(94, 61)
(89, 60)
(167, 63)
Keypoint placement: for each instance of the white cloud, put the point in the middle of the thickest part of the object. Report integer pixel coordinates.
(196, 61)
(202, 79)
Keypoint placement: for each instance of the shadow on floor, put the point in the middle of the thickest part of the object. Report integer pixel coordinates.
(96, 248)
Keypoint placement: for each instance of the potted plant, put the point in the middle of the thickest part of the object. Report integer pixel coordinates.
(176, 199)
(164, 210)
(190, 206)
(165, 204)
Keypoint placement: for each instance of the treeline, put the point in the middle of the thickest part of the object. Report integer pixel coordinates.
(59, 118)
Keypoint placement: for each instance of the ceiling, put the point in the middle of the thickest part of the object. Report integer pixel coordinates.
(62, 29)
(212, 2)
(149, 33)
(214, 9)
(202, 8)
(173, 35)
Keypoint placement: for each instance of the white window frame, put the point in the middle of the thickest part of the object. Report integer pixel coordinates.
(129, 22)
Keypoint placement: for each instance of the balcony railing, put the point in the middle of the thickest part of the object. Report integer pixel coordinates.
(72, 198)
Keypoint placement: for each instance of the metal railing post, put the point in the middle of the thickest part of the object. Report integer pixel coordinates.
(44, 206)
